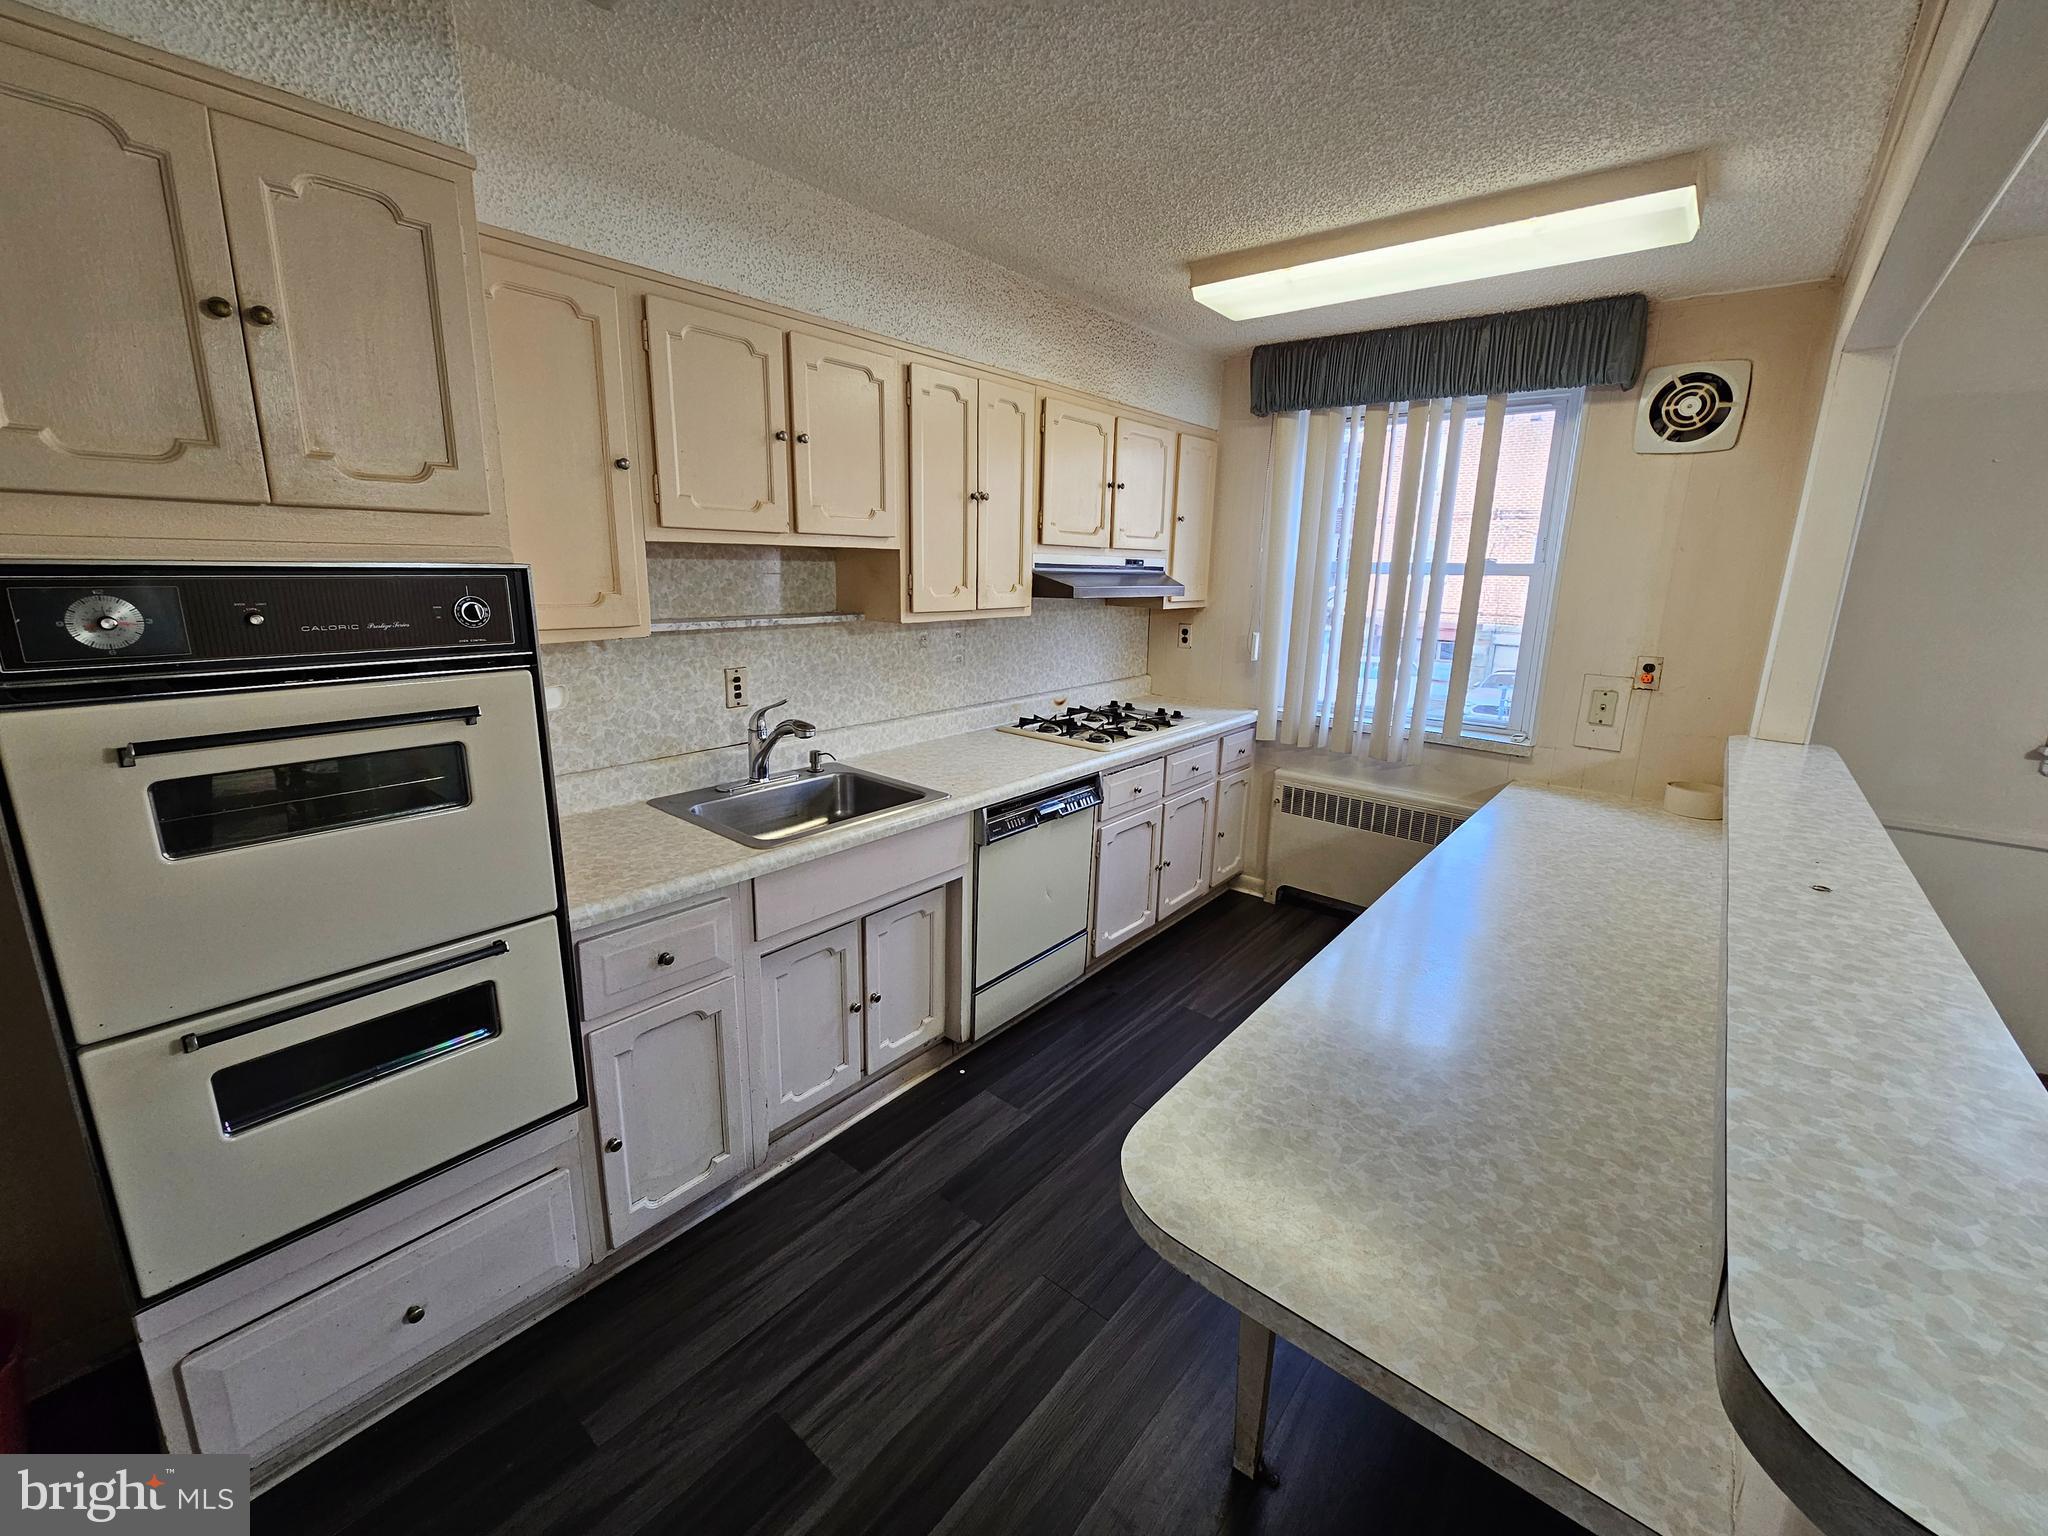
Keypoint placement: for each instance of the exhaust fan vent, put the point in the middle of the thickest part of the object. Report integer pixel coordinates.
(1693, 408)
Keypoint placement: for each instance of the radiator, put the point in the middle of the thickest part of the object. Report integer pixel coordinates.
(1349, 842)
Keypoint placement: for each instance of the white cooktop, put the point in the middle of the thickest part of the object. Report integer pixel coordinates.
(1102, 727)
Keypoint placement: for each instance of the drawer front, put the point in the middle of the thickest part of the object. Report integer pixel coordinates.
(635, 965)
(280, 1374)
(1132, 789)
(839, 882)
(1237, 750)
(1190, 766)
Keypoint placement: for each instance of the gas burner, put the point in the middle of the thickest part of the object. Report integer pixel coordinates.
(1099, 727)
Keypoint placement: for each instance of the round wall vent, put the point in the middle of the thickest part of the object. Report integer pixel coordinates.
(1692, 408)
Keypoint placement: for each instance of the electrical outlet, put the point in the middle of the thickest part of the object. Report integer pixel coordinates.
(1187, 637)
(1603, 712)
(735, 687)
(1649, 673)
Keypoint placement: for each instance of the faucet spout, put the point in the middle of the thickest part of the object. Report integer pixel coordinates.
(760, 744)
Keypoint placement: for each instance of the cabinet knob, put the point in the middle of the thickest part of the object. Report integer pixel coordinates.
(1119, 485)
(260, 314)
(1181, 517)
(666, 957)
(1109, 484)
(874, 997)
(415, 1313)
(782, 437)
(217, 307)
(622, 463)
(803, 437)
(614, 1144)
(853, 1008)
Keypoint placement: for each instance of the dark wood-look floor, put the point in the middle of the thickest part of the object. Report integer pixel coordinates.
(941, 1322)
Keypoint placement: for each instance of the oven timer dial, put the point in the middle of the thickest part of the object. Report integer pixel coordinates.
(472, 611)
(104, 622)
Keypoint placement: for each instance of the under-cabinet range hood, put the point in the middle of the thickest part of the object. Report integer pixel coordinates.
(1133, 579)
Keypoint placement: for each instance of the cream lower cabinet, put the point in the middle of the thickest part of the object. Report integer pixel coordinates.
(1194, 518)
(665, 1084)
(1126, 877)
(571, 496)
(810, 1009)
(1233, 807)
(1187, 827)
(1077, 476)
(903, 952)
(1141, 511)
(972, 479)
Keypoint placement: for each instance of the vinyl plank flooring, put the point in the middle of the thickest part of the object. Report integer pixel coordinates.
(940, 1321)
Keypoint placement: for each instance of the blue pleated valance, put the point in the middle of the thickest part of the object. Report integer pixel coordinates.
(1595, 342)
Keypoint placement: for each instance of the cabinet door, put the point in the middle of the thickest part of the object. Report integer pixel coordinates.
(366, 379)
(560, 375)
(1126, 878)
(1233, 804)
(943, 476)
(1144, 486)
(666, 1087)
(114, 381)
(1080, 447)
(846, 421)
(904, 948)
(1009, 486)
(810, 1023)
(1185, 832)
(721, 419)
(1194, 516)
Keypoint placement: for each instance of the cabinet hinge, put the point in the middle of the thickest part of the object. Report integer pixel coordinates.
(657, 488)
(646, 340)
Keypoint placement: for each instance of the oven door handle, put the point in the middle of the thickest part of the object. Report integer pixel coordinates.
(199, 1042)
(127, 756)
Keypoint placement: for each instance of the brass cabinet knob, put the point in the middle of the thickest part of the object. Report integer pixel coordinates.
(260, 314)
(666, 957)
(782, 437)
(803, 437)
(415, 1313)
(622, 463)
(218, 307)
(615, 1145)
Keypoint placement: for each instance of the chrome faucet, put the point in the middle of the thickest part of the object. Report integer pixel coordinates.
(760, 744)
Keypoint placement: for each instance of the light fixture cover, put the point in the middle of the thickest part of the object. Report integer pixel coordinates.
(1610, 213)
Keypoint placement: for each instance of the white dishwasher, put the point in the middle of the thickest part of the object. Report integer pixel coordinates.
(1033, 857)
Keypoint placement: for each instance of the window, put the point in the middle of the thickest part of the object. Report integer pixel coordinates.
(1488, 647)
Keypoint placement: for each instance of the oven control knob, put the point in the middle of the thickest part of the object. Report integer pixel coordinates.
(472, 612)
(252, 619)
(104, 622)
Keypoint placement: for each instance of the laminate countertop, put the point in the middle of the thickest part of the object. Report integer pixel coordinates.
(1884, 1347)
(627, 859)
(1466, 1157)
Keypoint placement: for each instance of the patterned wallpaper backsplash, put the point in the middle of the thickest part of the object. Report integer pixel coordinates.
(640, 718)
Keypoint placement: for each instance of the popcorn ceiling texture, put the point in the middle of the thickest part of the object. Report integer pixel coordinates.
(392, 61)
(562, 163)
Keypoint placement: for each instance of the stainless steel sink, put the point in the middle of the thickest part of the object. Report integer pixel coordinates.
(793, 805)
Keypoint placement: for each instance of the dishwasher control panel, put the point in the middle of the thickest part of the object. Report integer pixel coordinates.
(1021, 815)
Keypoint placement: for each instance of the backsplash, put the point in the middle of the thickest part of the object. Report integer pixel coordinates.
(640, 718)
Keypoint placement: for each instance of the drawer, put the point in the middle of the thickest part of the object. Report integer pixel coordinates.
(1130, 789)
(284, 1372)
(1190, 766)
(631, 966)
(839, 882)
(1237, 749)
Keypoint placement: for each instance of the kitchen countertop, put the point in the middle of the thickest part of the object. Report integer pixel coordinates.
(1885, 1348)
(1466, 1157)
(626, 859)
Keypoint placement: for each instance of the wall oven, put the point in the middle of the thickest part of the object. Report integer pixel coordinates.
(286, 841)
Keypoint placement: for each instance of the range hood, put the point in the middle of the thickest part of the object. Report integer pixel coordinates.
(1132, 579)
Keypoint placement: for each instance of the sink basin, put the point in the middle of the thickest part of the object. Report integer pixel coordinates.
(793, 806)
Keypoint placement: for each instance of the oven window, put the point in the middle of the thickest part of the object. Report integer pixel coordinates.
(252, 1092)
(214, 811)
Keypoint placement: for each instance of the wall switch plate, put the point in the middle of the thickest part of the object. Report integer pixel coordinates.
(1603, 712)
(1187, 637)
(735, 687)
(1649, 673)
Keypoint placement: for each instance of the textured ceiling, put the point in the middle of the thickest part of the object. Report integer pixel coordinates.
(2023, 211)
(1100, 147)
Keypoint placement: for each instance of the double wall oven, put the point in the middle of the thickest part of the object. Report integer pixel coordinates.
(285, 840)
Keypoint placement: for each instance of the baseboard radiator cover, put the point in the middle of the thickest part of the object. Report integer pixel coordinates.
(1347, 841)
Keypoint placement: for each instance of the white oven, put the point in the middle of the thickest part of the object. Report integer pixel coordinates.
(287, 844)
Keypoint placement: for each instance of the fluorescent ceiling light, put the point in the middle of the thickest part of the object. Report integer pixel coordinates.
(1611, 213)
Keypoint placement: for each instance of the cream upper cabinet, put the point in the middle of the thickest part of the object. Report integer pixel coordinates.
(1141, 516)
(1079, 455)
(846, 424)
(944, 482)
(121, 364)
(721, 418)
(1009, 487)
(355, 305)
(904, 949)
(1194, 517)
(810, 1011)
(557, 360)
(1233, 805)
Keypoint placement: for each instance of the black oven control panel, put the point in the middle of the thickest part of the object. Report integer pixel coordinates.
(82, 619)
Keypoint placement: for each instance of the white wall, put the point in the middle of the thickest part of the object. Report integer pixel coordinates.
(1937, 689)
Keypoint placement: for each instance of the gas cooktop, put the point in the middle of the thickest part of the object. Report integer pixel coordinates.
(1101, 727)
